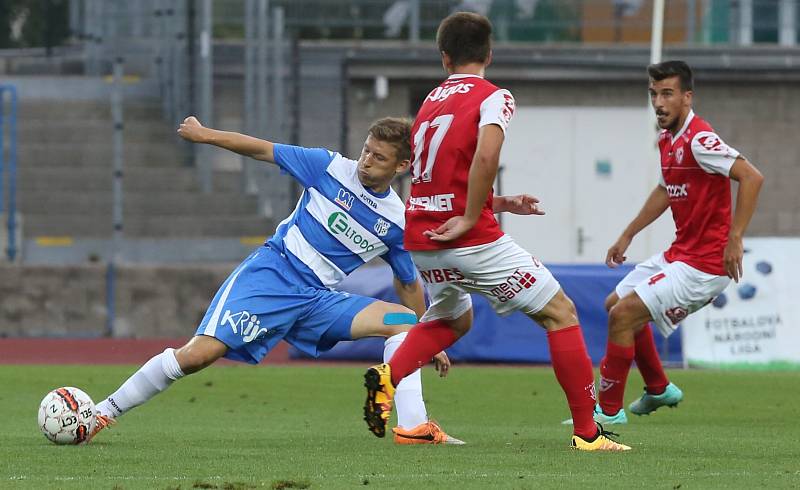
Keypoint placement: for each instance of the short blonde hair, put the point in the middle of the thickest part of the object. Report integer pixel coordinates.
(395, 131)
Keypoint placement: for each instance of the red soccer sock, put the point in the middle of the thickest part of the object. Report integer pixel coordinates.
(573, 369)
(649, 363)
(614, 370)
(423, 341)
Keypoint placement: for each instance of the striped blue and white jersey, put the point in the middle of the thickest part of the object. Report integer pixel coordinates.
(338, 224)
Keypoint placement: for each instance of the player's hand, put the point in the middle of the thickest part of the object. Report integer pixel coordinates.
(442, 364)
(734, 251)
(616, 254)
(191, 130)
(452, 229)
(524, 204)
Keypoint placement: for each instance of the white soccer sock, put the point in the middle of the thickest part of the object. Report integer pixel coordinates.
(408, 394)
(151, 379)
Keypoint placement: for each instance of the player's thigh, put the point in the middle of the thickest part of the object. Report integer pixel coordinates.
(642, 272)
(630, 312)
(382, 319)
(504, 273)
(449, 300)
(327, 320)
(255, 307)
(676, 292)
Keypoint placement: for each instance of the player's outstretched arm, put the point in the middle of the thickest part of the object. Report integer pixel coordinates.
(258, 149)
(750, 180)
(482, 173)
(520, 204)
(653, 207)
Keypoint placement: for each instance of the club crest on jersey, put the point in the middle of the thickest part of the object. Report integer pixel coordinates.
(679, 155)
(344, 199)
(677, 314)
(381, 227)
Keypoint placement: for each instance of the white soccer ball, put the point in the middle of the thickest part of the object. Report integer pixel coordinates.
(66, 416)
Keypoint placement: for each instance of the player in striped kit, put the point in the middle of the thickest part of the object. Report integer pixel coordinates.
(347, 216)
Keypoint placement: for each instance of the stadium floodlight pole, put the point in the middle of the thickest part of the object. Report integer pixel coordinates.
(413, 22)
(116, 239)
(657, 34)
(279, 102)
(206, 97)
(9, 165)
(248, 183)
(260, 120)
(788, 20)
(656, 52)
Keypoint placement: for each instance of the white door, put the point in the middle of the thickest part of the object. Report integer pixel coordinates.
(592, 168)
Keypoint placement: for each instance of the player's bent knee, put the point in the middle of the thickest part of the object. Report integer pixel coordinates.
(564, 314)
(611, 300)
(621, 317)
(199, 353)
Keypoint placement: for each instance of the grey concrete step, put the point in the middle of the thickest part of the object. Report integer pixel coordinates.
(148, 226)
(166, 203)
(80, 110)
(158, 153)
(136, 179)
(91, 131)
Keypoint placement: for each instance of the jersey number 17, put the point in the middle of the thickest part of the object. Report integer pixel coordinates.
(420, 172)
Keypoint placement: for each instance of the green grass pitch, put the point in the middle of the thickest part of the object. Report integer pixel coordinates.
(301, 427)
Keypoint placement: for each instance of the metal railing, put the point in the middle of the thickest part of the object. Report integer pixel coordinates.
(9, 165)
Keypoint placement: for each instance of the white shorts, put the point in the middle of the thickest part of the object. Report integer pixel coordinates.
(671, 291)
(508, 276)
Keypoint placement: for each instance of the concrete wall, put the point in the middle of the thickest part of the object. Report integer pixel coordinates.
(760, 119)
(71, 301)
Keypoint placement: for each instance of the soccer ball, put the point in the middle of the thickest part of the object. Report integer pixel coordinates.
(66, 416)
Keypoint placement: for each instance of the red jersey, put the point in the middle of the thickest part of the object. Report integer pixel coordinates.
(695, 168)
(444, 138)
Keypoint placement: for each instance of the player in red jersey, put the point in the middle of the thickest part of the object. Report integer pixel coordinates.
(457, 244)
(696, 170)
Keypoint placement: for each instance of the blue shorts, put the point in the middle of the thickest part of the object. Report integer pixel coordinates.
(265, 301)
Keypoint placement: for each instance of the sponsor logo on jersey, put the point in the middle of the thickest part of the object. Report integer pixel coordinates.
(368, 200)
(435, 276)
(677, 314)
(518, 281)
(244, 324)
(381, 227)
(344, 199)
(439, 202)
(677, 190)
(339, 223)
(441, 93)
